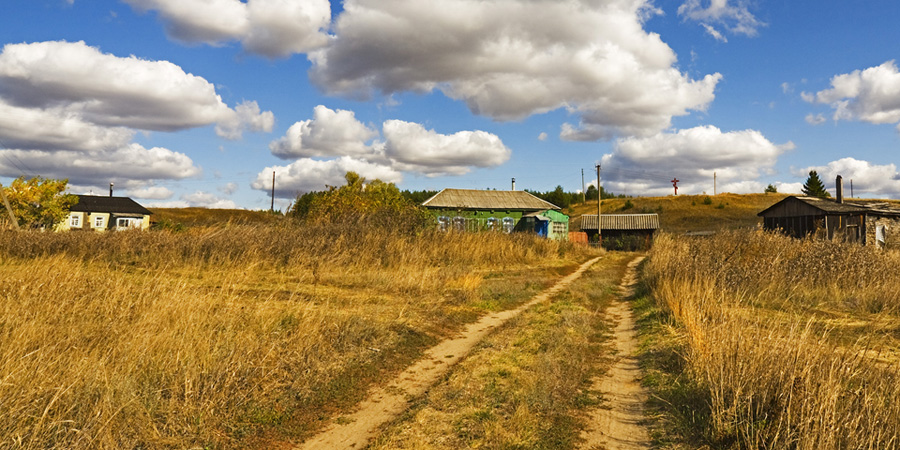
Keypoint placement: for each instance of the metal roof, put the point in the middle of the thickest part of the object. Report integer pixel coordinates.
(621, 222)
(103, 204)
(478, 199)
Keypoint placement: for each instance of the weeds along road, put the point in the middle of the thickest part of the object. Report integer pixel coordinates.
(383, 404)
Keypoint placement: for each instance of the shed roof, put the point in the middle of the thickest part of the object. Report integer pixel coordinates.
(621, 222)
(478, 199)
(103, 204)
(830, 206)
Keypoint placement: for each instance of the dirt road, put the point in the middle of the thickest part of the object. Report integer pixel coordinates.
(618, 424)
(385, 403)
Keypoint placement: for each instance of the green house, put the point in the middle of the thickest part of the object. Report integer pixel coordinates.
(506, 211)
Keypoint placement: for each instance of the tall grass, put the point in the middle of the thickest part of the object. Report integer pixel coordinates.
(793, 343)
(227, 337)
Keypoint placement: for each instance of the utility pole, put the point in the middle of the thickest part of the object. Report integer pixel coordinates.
(599, 201)
(273, 192)
(714, 184)
(675, 184)
(583, 198)
(851, 188)
(12, 215)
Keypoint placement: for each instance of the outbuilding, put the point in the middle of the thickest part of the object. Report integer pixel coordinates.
(621, 231)
(867, 222)
(507, 211)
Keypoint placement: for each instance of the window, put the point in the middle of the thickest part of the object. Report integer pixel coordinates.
(508, 224)
(125, 222)
(75, 220)
(98, 222)
(493, 224)
(559, 228)
(443, 223)
(459, 223)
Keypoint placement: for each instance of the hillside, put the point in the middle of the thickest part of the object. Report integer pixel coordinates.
(688, 213)
(204, 217)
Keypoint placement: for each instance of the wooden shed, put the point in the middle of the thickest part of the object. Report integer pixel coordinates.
(622, 231)
(507, 211)
(868, 222)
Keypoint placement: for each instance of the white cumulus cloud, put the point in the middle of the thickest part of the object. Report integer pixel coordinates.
(693, 156)
(272, 28)
(411, 147)
(151, 193)
(509, 59)
(306, 175)
(868, 179)
(871, 95)
(328, 133)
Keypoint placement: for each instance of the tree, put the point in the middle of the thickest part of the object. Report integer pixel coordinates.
(39, 202)
(376, 203)
(771, 189)
(814, 186)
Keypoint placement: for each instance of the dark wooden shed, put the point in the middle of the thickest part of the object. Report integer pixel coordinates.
(630, 231)
(869, 222)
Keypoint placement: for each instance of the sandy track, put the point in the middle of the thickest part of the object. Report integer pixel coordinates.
(385, 403)
(618, 423)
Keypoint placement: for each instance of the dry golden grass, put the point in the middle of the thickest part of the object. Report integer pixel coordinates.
(790, 344)
(234, 337)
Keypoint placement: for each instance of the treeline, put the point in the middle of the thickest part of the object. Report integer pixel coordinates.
(563, 199)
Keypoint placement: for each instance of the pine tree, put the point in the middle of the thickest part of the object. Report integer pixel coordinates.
(814, 186)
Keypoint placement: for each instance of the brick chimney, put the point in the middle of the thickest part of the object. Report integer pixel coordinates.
(839, 189)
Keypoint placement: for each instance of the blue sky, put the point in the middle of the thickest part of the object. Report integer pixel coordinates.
(198, 102)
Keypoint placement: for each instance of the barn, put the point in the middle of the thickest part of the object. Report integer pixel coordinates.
(507, 211)
(622, 231)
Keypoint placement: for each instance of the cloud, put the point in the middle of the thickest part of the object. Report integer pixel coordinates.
(245, 117)
(411, 147)
(814, 120)
(868, 179)
(307, 175)
(106, 90)
(733, 15)
(871, 95)
(542, 137)
(272, 28)
(207, 200)
(407, 146)
(716, 34)
(646, 165)
(151, 192)
(228, 189)
(328, 133)
(132, 162)
(509, 59)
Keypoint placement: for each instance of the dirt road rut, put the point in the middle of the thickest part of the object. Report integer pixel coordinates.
(618, 424)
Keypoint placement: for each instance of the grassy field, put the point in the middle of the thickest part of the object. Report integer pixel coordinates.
(236, 337)
(754, 340)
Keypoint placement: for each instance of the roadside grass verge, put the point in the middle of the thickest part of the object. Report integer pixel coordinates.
(528, 384)
(235, 337)
(754, 340)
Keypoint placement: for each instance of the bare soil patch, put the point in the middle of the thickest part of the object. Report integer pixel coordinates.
(618, 424)
(385, 403)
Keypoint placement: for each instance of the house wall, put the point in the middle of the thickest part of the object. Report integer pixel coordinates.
(102, 226)
(477, 220)
(559, 225)
(892, 230)
(66, 224)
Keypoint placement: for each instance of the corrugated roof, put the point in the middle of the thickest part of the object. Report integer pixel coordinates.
(103, 204)
(621, 222)
(478, 199)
